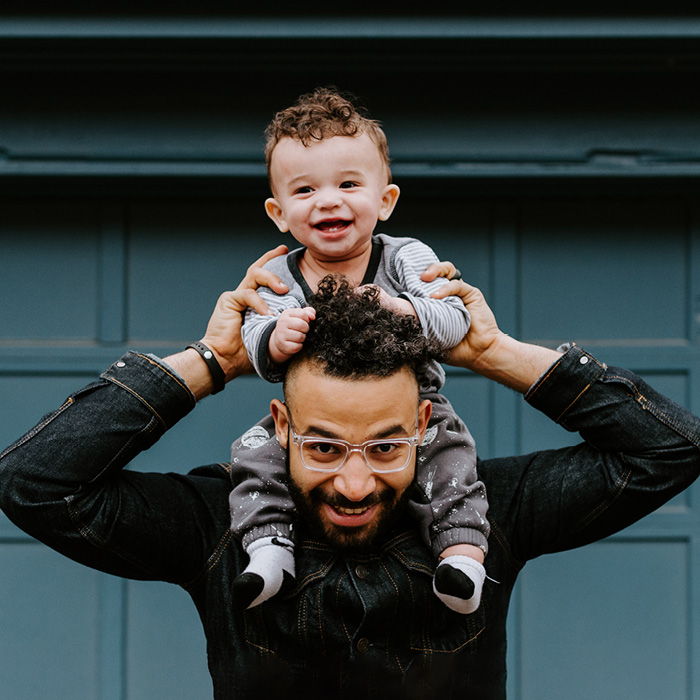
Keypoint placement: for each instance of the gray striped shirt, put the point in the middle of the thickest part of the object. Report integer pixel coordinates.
(395, 266)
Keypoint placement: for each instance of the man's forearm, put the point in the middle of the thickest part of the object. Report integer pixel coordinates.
(515, 364)
(189, 365)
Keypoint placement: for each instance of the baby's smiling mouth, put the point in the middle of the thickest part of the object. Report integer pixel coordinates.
(332, 225)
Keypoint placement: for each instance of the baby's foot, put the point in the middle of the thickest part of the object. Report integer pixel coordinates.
(458, 581)
(270, 570)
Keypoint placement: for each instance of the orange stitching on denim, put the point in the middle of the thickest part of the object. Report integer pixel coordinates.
(543, 378)
(620, 486)
(574, 400)
(166, 371)
(139, 397)
(216, 555)
(259, 646)
(38, 428)
(412, 563)
(450, 651)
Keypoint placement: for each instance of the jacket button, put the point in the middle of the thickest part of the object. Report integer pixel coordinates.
(363, 645)
(361, 571)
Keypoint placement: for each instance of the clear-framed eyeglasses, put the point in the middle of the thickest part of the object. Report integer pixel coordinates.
(329, 455)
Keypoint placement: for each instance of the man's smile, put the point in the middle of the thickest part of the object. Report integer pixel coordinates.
(350, 517)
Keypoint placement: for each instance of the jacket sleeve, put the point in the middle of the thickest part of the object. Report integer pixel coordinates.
(639, 450)
(445, 321)
(63, 481)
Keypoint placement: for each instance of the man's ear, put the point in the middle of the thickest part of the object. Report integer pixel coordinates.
(425, 410)
(274, 211)
(279, 414)
(389, 198)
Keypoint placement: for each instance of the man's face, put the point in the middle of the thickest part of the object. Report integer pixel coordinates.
(330, 194)
(352, 504)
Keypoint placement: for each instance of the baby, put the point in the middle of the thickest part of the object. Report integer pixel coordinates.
(328, 167)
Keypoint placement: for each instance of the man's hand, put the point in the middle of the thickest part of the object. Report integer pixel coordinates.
(290, 333)
(483, 330)
(223, 334)
(486, 349)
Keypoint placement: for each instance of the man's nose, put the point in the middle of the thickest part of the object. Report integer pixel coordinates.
(355, 481)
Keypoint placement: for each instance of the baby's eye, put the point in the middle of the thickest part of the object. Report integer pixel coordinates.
(303, 190)
(348, 184)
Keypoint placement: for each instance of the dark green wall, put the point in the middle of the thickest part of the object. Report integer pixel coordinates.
(554, 159)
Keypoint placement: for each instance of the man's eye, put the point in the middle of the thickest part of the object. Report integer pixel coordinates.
(348, 184)
(384, 448)
(323, 448)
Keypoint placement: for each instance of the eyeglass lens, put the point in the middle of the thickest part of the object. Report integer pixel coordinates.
(381, 456)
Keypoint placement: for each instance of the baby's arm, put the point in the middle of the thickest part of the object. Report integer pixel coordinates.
(443, 320)
(289, 333)
(258, 330)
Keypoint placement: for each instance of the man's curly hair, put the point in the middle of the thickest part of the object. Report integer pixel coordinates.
(354, 336)
(320, 114)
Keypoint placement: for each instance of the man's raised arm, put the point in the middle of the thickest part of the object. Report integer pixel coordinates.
(490, 352)
(639, 448)
(63, 482)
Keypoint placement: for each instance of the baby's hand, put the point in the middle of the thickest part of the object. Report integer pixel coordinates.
(395, 304)
(289, 334)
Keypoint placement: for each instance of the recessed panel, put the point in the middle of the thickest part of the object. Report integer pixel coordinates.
(607, 621)
(49, 279)
(604, 270)
(458, 232)
(165, 650)
(470, 396)
(49, 617)
(183, 255)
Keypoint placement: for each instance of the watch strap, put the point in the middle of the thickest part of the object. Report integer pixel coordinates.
(217, 374)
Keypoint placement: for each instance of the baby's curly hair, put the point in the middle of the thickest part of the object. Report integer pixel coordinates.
(320, 114)
(354, 336)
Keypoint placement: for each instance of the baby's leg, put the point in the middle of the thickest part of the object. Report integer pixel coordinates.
(450, 505)
(261, 515)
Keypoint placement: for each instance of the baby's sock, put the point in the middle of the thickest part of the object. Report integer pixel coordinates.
(271, 568)
(458, 582)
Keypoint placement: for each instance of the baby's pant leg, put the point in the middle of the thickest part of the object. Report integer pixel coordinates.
(260, 502)
(448, 499)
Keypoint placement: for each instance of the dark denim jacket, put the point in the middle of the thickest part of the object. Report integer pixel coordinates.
(356, 626)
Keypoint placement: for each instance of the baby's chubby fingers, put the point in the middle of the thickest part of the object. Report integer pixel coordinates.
(297, 319)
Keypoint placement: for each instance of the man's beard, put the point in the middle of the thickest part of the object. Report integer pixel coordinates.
(390, 506)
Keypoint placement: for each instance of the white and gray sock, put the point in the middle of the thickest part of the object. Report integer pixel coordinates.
(458, 582)
(271, 569)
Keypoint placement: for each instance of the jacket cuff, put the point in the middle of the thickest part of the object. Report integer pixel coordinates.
(565, 382)
(153, 383)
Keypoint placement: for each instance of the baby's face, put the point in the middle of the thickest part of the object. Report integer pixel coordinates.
(330, 194)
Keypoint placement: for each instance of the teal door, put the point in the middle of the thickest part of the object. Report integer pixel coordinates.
(553, 159)
(84, 281)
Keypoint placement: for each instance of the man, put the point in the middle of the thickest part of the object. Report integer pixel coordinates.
(361, 621)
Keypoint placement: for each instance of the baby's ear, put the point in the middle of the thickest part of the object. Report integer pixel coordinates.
(390, 196)
(274, 210)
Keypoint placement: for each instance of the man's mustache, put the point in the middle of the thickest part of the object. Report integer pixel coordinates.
(338, 500)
